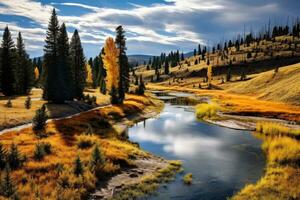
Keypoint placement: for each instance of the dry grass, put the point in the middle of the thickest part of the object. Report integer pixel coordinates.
(240, 104)
(284, 86)
(40, 177)
(276, 129)
(281, 180)
(205, 110)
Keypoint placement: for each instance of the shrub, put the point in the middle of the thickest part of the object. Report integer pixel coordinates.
(97, 160)
(27, 103)
(8, 188)
(14, 157)
(9, 104)
(84, 141)
(39, 152)
(206, 110)
(40, 119)
(187, 179)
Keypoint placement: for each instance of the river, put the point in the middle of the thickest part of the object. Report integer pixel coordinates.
(222, 160)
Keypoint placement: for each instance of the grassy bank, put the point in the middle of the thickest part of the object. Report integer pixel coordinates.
(240, 104)
(53, 175)
(281, 179)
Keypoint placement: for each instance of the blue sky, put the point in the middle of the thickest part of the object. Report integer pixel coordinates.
(152, 26)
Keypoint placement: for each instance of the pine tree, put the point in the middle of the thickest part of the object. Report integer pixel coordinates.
(14, 157)
(142, 87)
(65, 74)
(78, 167)
(123, 63)
(167, 67)
(39, 152)
(52, 82)
(102, 74)
(39, 120)
(3, 155)
(199, 49)
(97, 159)
(8, 188)
(25, 74)
(8, 64)
(95, 72)
(78, 65)
(27, 103)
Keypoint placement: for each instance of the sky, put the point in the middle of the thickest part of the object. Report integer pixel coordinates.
(151, 26)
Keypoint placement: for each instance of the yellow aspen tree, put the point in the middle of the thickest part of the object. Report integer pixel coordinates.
(110, 61)
(89, 78)
(36, 73)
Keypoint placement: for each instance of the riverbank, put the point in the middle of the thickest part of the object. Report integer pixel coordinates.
(243, 105)
(280, 144)
(77, 136)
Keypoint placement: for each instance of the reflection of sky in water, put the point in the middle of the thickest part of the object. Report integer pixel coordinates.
(222, 160)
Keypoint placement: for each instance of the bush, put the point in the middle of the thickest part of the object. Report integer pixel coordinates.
(40, 119)
(41, 150)
(188, 178)
(27, 103)
(206, 110)
(84, 141)
(9, 104)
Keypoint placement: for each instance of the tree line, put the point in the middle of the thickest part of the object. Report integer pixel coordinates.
(62, 72)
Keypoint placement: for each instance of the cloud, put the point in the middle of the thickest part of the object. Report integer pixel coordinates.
(169, 25)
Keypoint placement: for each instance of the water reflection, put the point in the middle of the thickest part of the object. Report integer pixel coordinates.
(221, 160)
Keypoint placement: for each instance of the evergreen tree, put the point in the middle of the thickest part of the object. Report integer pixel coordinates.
(182, 57)
(14, 157)
(142, 87)
(97, 159)
(8, 188)
(78, 65)
(78, 167)
(65, 74)
(27, 103)
(39, 120)
(195, 52)
(39, 152)
(8, 64)
(102, 74)
(199, 49)
(167, 67)
(25, 75)
(95, 72)
(52, 81)
(3, 155)
(123, 63)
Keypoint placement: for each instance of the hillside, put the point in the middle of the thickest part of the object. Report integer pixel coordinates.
(283, 86)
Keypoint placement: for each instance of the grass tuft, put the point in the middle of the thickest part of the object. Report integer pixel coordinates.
(188, 179)
(205, 110)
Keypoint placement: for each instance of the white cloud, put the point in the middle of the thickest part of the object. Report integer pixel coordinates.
(173, 23)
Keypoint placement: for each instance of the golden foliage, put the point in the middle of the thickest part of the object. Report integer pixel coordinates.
(89, 78)
(36, 73)
(110, 60)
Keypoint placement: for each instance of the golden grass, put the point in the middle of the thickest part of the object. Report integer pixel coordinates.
(240, 104)
(276, 129)
(64, 136)
(281, 180)
(206, 110)
(188, 179)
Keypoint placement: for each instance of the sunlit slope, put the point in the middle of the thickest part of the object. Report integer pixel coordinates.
(283, 86)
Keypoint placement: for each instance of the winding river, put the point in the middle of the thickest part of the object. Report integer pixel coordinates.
(221, 160)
